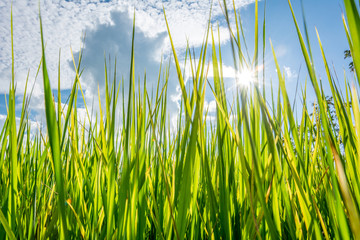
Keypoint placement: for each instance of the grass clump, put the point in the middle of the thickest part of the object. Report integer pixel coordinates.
(261, 174)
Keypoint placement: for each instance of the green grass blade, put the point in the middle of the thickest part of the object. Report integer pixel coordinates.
(53, 131)
(6, 226)
(13, 142)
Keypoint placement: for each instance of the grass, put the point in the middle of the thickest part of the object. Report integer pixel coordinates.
(263, 173)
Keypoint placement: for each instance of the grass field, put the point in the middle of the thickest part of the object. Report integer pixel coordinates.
(262, 173)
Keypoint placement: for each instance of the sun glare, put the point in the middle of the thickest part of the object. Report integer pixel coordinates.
(245, 77)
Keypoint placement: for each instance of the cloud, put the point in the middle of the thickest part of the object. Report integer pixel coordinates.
(107, 24)
(210, 106)
(114, 41)
(34, 125)
(228, 71)
(289, 73)
(65, 21)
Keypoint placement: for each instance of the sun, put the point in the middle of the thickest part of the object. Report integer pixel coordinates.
(244, 77)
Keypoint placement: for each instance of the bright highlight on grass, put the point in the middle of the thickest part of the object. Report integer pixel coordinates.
(255, 172)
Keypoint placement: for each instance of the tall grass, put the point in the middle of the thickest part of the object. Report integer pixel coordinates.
(256, 171)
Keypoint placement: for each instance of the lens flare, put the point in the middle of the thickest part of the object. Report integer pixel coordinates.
(244, 77)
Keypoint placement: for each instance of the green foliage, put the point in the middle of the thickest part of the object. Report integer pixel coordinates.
(251, 172)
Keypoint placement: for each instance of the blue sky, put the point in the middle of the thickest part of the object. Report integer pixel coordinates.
(326, 16)
(108, 26)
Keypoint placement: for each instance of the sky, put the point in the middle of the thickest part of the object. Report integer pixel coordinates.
(107, 26)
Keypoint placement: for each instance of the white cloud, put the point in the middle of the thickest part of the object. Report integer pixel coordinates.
(34, 125)
(289, 73)
(210, 106)
(228, 71)
(64, 22)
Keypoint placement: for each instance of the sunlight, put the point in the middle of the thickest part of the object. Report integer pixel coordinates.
(244, 77)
